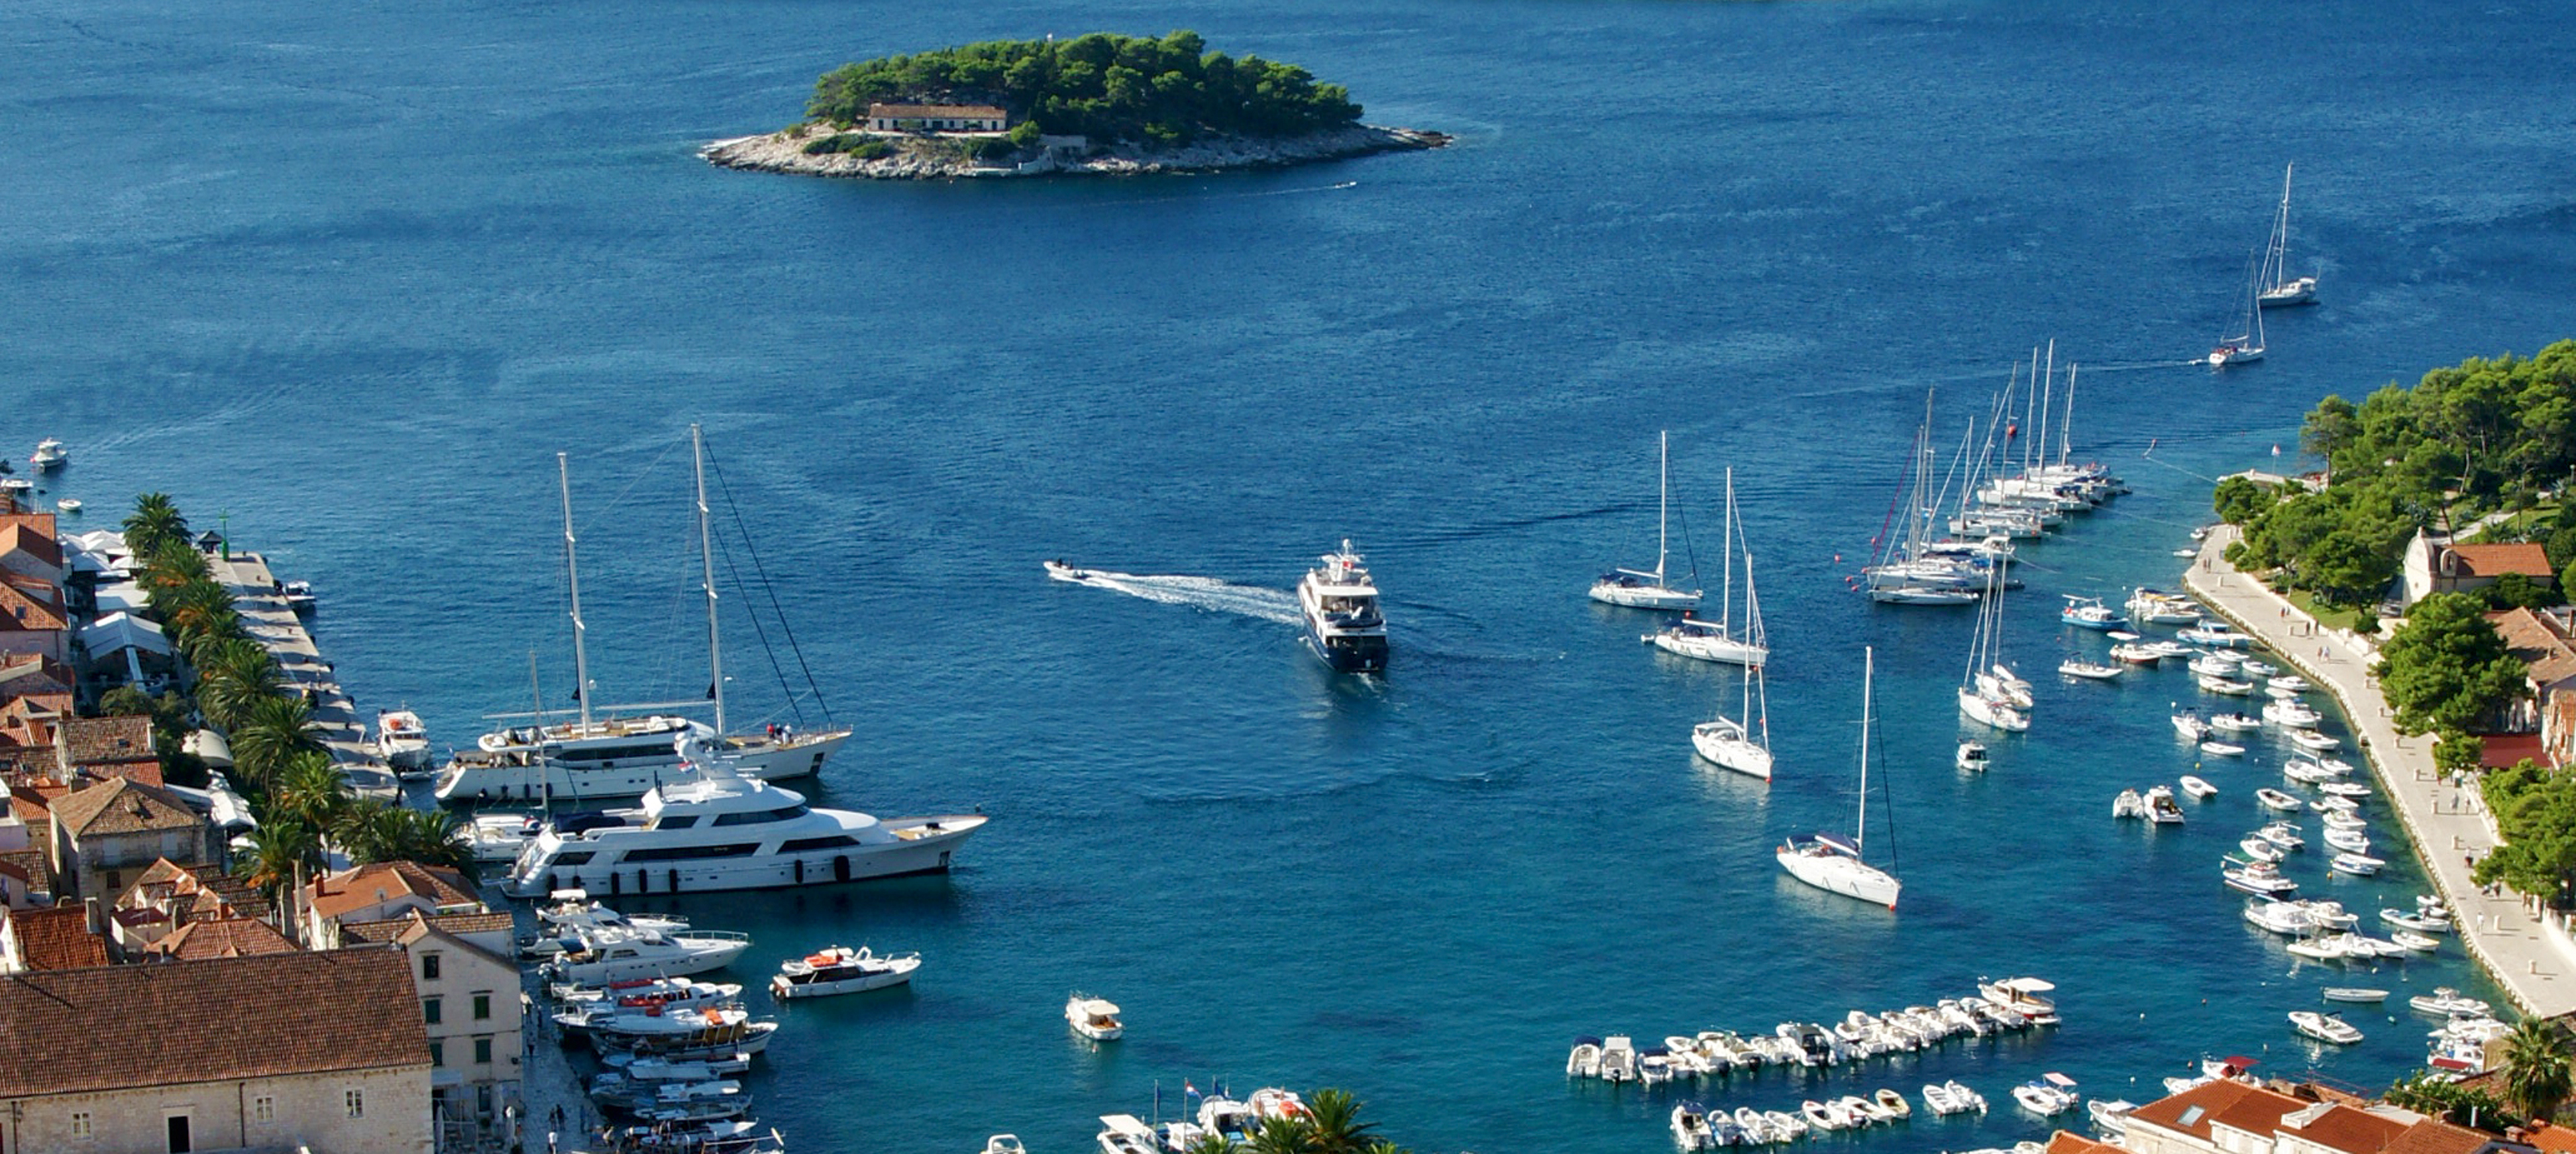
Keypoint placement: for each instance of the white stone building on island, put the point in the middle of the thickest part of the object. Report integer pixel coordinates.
(937, 118)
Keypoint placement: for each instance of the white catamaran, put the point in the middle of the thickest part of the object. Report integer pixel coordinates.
(2278, 288)
(1743, 745)
(1640, 590)
(618, 757)
(1827, 861)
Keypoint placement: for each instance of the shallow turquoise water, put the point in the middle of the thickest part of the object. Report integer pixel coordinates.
(346, 279)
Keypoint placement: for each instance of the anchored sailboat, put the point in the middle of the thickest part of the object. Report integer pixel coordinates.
(1829, 862)
(1722, 639)
(1991, 693)
(2279, 288)
(1743, 746)
(2247, 345)
(1640, 590)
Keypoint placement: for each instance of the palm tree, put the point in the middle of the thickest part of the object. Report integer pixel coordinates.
(193, 609)
(281, 849)
(1284, 1135)
(273, 730)
(311, 791)
(1334, 1118)
(2537, 1076)
(155, 520)
(1214, 1143)
(172, 565)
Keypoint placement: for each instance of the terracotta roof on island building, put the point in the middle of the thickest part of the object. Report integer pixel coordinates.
(123, 805)
(56, 938)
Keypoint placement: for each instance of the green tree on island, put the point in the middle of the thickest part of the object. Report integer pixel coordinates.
(2447, 667)
(1168, 91)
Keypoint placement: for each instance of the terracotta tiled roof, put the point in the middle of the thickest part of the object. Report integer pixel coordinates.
(2536, 641)
(272, 1015)
(355, 889)
(221, 938)
(32, 864)
(17, 536)
(2435, 1136)
(395, 929)
(57, 939)
(2244, 1107)
(937, 111)
(21, 674)
(2528, 559)
(20, 611)
(2065, 1143)
(106, 740)
(119, 805)
(2340, 1127)
(444, 928)
(2551, 1139)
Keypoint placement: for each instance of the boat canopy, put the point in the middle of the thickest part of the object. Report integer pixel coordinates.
(2060, 1081)
(1586, 1040)
(1099, 1009)
(1125, 1124)
(2025, 985)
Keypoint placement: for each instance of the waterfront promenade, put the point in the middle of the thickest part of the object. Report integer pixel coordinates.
(265, 616)
(2449, 825)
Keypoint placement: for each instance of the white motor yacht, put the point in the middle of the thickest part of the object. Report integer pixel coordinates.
(1125, 1134)
(1971, 756)
(2324, 1027)
(1343, 625)
(402, 741)
(723, 831)
(2446, 1000)
(2280, 917)
(1094, 1018)
(842, 970)
(596, 958)
(49, 455)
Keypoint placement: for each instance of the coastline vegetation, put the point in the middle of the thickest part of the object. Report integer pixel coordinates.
(1165, 91)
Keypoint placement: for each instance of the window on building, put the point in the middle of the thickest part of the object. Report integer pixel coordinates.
(483, 1101)
(80, 1124)
(429, 1010)
(357, 1101)
(437, 1052)
(429, 967)
(116, 881)
(482, 1005)
(483, 1051)
(264, 1108)
(181, 1142)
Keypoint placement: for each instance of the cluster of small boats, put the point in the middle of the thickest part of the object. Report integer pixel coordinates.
(2010, 1004)
(1221, 1120)
(1696, 1127)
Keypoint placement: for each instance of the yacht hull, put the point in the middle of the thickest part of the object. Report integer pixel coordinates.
(475, 781)
(1720, 649)
(1834, 873)
(913, 852)
(1644, 596)
(1728, 748)
(1348, 654)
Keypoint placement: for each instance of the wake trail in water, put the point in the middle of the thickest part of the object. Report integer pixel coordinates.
(1209, 593)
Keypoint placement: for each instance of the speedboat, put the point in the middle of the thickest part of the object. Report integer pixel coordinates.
(1654, 1065)
(842, 970)
(1063, 571)
(2087, 670)
(2276, 800)
(724, 831)
(2446, 1000)
(2291, 714)
(2313, 741)
(1971, 756)
(2089, 613)
(1584, 1061)
(2190, 726)
(2197, 787)
(1968, 1099)
(1343, 625)
(2161, 808)
(2324, 1027)
(2221, 749)
(2282, 834)
(1707, 641)
(1094, 1018)
(2256, 877)
(1690, 1127)
(2110, 1116)
(2234, 723)
(2260, 850)
(2348, 840)
(401, 741)
(49, 455)
(1618, 1059)
(1125, 1134)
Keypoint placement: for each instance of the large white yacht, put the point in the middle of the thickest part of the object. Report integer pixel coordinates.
(723, 831)
(617, 757)
(1343, 624)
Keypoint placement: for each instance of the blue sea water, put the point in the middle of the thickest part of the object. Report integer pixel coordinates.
(343, 279)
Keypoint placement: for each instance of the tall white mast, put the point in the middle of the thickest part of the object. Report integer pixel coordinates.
(2047, 401)
(572, 569)
(2029, 409)
(2065, 428)
(1868, 668)
(707, 560)
(1663, 497)
(1726, 562)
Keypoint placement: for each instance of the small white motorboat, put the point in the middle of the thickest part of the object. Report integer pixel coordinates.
(2291, 714)
(1004, 1144)
(2235, 723)
(2255, 877)
(1938, 1100)
(1893, 1105)
(2419, 922)
(2087, 670)
(1094, 1019)
(49, 455)
(1584, 1061)
(2358, 865)
(2307, 771)
(68, 505)
(1972, 755)
(1968, 1099)
(2324, 1027)
(2276, 800)
(1064, 572)
(2354, 994)
(1125, 1134)
(2128, 654)
(2214, 632)
(2190, 726)
(1818, 1116)
(1618, 1059)
(2446, 1000)
(2226, 685)
(2414, 941)
(2282, 834)
(2130, 803)
(2186, 552)
(2344, 789)
(2313, 741)
(2110, 1116)
(2048, 1097)
(2290, 681)
(2221, 749)
(2121, 635)
(2334, 804)
(2260, 850)
(2161, 808)
(1690, 1127)
(2198, 788)
(2323, 948)
(2278, 916)
(842, 970)
(2348, 839)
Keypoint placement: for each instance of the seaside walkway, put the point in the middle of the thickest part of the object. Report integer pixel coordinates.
(265, 616)
(2536, 965)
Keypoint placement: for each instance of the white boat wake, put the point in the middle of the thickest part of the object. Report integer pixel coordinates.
(1208, 593)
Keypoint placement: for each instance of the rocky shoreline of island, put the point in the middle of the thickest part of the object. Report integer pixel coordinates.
(930, 157)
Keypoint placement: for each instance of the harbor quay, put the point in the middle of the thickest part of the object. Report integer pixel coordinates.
(265, 615)
(2528, 955)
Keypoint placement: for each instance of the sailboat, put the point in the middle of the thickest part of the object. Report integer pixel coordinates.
(1639, 590)
(1827, 861)
(1991, 693)
(1743, 746)
(623, 756)
(2279, 288)
(1719, 640)
(2247, 345)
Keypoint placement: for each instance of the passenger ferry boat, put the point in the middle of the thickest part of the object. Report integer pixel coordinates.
(1343, 625)
(723, 831)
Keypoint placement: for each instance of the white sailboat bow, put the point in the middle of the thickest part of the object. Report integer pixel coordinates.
(1743, 746)
(1827, 861)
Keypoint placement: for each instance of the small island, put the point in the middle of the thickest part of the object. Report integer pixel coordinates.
(1101, 103)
